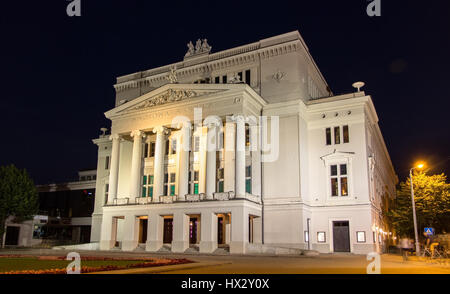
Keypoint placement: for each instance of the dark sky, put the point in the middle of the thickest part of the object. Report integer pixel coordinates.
(57, 72)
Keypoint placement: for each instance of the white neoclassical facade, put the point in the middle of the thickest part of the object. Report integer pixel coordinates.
(245, 150)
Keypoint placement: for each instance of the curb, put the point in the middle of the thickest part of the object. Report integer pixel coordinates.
(159, 269)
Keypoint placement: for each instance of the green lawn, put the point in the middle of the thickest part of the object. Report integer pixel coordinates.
(29, 263)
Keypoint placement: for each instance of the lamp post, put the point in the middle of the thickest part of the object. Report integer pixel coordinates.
(416, 235)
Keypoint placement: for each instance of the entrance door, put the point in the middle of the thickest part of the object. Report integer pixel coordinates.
(193, 230)
(220, 230)
(168, 227)
(341, 236)
(12, 235)
(143, 224)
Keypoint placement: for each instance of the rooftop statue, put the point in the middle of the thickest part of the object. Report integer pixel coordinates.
(201, 46)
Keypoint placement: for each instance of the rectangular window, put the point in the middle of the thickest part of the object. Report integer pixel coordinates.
(240, 76)
(144, 191)
(167, 147)
(195, 188)
(247, 135)
(150, 192)
(217, 80)
(248, 186)
(174, 146)
(152, 149)
(106, 193)
(338, 179)
(147, 186)
(146, 150)
(166, 180)
(328, 136)
(345, 134)
(196, 175)
(337, 135)
(361, 237)
(224, 79)
(247, 77)
(196, 143)
(321, 237)
(220, 176)
(107, 162)
(172, 190)
(172, 177)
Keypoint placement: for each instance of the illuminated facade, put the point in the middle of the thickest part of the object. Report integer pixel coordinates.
(244, 150)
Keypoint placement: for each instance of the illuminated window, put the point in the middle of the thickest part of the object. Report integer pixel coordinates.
(220, 176)
(321, 237)
(361, 237)
(337, 135)
(339, 180)
(147, 186)
(345, 134)
(247, 135)
(106, 193)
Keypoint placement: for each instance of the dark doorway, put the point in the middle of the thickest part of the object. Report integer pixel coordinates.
(341, 236)
(12, 235)
(168, 227)
(220, 239)
(143, 224)
(193, 222)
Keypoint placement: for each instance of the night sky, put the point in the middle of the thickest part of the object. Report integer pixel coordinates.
(57, 72)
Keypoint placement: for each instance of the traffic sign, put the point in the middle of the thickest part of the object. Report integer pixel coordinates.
(429, 231)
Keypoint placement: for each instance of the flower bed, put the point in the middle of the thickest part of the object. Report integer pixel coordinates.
(139, 263)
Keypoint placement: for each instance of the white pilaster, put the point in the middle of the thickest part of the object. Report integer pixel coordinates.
(180, 240)
(239, 231)
(183, 164)
(158, 173)
(154, 232)
(240, 156)
(136, 164)
(208, 236)
(130, 234)
(114, 171)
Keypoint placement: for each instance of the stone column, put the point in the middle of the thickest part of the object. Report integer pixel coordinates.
(154, 232)
(136, 164)
(158, 173)
(255, 156)
(240, 156)
(230, 164)
(208, 236)
(180, 240)
(183, 164)
(114, 171)
(211, 151)
(202, 162)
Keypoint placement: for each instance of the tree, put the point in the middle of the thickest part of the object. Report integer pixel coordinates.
(432, 200)
(18, 196)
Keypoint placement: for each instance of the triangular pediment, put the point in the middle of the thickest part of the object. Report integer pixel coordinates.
(167, 94)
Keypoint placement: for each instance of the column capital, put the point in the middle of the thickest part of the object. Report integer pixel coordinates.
(114, 137)
(237, 118)
(160, 130)
(137, 133)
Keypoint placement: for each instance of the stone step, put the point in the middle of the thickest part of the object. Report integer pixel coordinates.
(222, 251)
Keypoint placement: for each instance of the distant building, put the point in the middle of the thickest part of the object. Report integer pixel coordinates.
(64, 217)
(325, 188)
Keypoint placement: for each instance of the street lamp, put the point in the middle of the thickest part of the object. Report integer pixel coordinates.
(419, 166)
